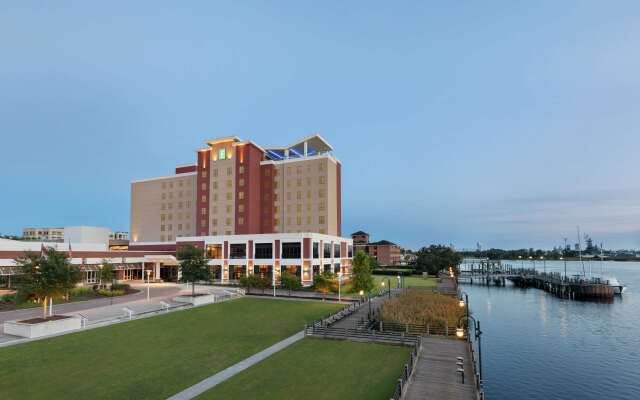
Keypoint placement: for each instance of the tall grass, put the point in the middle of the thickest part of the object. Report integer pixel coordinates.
(420, 307)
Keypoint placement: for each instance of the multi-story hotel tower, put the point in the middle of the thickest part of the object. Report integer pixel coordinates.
(237, 187)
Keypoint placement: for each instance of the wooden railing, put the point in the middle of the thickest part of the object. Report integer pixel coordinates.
(407, 371)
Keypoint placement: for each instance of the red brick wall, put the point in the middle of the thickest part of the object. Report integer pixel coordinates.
(266, 197)
(186, 169)
(204, 162)
(339, 200)
(306, 248)
(249, 156)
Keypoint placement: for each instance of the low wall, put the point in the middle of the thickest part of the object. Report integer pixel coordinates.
(46, 328)
(196, 300)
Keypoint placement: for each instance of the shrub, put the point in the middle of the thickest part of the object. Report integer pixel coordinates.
(394, 272)
(7, 298)
(109, 293)
(80, 291)
(125, 287)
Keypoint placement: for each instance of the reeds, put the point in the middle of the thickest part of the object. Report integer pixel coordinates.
(423, 308)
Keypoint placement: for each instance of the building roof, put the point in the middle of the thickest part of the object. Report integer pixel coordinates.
(359, 233)
(383, 243)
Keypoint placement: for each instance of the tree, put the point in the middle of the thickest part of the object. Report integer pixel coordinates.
(290, 281)
(193, 266)
(361, 278)
(107, 273)
(47, 276)
(323, 282)
(436, 258)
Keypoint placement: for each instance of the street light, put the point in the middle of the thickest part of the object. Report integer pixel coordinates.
(478, 334)
(465, 303)
(389, 289)
(565, 267)
(399, 281)
(534, 263)
(545, 264)
(148, 273)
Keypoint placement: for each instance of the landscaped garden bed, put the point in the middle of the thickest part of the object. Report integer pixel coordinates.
(14, 301)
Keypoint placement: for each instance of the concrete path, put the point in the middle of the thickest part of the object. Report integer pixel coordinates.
(102, 309)
(225, 374)
(435, 375)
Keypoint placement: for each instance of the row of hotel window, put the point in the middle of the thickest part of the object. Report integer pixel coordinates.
(290, 250)
(180, 183)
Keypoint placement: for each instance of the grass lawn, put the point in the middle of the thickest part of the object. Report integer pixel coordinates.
(151, 358)
(316, 369)
(409, 281)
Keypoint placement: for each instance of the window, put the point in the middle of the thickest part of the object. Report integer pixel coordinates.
(298, 220)
(228, 195)
(238, 250)
(215, 184)
(264, 250)
(321, 219)
(321, 180)
(321, 193)
(229, 183)
(204, 186)
(336, 250)
(204, 173)
(298, 182)
(203, 223)
(162, 217)
(327, 250)
(229, 171)
(291, 250)
(350, 251)
(203, 199)
(308, 219)
(215, 209)
(228, 209)
(241, 169)
(227, 221)
(222, 153)
(321, 206)
(214, 222)
(162, 238)
(240, 220)
(240, 207)
(214, 250)
(203, 211)
(240, 195)
(179, 227)
(162, 227)
(241, 182)
(316, 250)
(164, 196)
(215, 172)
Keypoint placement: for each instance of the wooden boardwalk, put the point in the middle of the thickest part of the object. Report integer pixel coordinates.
(435, 376)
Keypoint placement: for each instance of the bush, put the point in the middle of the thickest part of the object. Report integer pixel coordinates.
(80, 291)
(109, 293)
(125, 287)
(7, 298)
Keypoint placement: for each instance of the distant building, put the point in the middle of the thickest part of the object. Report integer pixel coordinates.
(384, 251)
(119, 235)
(44, 234)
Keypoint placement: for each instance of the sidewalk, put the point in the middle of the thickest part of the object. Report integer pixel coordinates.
(102, 309)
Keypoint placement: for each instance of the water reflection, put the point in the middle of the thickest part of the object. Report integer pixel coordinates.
(537, 346)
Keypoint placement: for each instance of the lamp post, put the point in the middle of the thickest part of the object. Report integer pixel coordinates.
(544, 261)
(478, 335)
(534, 263)
(339, 284)
(399, 281)
(148, 279)
(389, 289)
(521, 261)
(565, 267)
(465, 303)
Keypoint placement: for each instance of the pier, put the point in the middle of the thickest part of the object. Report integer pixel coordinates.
(576, 287)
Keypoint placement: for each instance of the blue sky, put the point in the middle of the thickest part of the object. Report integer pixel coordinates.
(505, 123)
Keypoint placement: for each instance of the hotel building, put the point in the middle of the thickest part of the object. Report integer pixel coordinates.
(253, 209)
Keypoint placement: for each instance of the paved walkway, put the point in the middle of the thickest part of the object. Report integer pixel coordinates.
(225, 374)
(435, 376)
(102, 309)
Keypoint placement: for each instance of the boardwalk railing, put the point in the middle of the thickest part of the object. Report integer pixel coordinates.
(476, 374)
(361, 335)
(407, 371)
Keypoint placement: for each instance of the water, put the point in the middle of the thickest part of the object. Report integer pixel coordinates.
(538, 346)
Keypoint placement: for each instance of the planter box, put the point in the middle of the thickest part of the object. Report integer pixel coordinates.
(45, 328)
(197, 299)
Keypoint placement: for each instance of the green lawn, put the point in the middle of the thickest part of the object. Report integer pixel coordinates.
(151, 358)
(409, 281)
(316, 369)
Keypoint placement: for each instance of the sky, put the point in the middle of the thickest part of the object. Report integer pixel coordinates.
(504, 123)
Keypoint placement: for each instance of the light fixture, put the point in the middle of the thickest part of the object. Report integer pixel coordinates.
(459, 333)
(461, 303)
(362, 293)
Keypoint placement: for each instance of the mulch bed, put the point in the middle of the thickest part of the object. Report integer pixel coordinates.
(40, 319)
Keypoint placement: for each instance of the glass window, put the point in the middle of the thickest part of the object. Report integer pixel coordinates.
(291, 250)
(336, 250)
(327, 250)
(350, 251)
(316, 250)
(264, 250)
(222, 153)
(238, 250)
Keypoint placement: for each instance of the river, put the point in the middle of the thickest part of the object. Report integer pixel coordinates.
(538, 346)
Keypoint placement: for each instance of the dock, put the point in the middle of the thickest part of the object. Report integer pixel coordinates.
(435, 375)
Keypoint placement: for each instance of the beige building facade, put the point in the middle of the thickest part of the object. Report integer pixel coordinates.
(238, 187)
